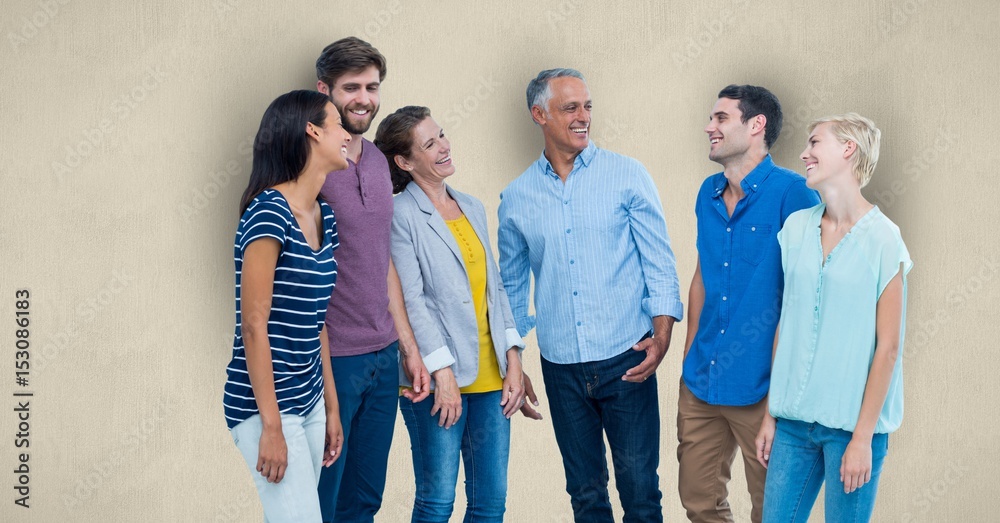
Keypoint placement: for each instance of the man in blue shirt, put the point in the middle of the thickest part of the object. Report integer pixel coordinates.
(588, 225)
(734, 302)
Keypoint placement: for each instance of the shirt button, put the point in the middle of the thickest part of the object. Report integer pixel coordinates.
(723, 331)
(752, 229)
(724, 298)
(574, 293)
(571, 262)
(728, 229)
(725, 264)
(579, 323)
(565, 202)
(567, 231)
(713, 362)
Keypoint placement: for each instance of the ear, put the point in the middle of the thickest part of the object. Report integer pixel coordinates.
(538, 114)
(322, 87)
(402, 162)
(849, 149)
(313, 131)
(758, 124)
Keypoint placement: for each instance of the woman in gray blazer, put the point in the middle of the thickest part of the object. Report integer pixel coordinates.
(458, 309)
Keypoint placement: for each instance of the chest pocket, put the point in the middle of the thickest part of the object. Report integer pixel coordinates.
(754, 241)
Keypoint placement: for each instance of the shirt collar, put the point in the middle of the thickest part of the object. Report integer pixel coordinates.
(585, 157)
(751, 182)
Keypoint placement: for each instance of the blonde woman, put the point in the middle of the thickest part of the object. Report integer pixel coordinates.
(836, 385)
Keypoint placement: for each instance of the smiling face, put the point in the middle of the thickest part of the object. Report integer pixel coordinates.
(826, 157)
(331, 140)
(566, 122)
(728, 136)
(356, 95)
(430, 153)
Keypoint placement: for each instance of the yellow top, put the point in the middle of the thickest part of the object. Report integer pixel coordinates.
(488, 379)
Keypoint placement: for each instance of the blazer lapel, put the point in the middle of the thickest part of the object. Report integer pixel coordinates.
(434, 220)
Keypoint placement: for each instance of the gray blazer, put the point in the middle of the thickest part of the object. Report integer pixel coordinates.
(436, 286)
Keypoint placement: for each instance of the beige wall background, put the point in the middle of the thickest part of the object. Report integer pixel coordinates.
(125, 147)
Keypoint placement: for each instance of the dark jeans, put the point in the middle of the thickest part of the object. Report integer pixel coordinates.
(589, 400)
(368, 390)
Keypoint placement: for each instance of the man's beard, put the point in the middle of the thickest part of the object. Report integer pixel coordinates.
(349, 126)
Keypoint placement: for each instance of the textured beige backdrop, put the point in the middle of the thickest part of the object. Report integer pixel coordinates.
(125, 147)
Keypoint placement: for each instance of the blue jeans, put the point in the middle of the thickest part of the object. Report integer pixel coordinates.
(803, 455)
(589, 400)
(292, 499)
(367, 387)
(482, 435)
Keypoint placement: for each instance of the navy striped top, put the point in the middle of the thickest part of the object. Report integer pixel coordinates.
(303, 282)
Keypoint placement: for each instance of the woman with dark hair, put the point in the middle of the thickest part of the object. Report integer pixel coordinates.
(280, 402)
(460, 315)
(836, 382)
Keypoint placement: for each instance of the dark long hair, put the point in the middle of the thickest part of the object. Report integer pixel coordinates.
(394, 137)
(281, 149)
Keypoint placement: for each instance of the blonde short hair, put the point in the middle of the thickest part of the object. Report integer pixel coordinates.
(852, 127)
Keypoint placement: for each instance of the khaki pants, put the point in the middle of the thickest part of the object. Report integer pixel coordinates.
(708, 436)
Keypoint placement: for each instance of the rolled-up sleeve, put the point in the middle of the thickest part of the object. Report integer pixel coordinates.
(659, 267)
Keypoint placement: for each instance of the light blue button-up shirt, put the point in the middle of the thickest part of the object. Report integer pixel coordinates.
(826, 340)
(598, 249)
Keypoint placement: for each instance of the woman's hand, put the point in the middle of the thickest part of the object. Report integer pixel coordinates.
(272, 454)
(856, 465)
(512, 397)
(765, 436)
(528, 407)
(447, 398)
(334, 439)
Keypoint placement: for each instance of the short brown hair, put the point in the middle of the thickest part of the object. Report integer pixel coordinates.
(348, 55)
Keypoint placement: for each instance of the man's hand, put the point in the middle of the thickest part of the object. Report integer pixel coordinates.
(528, 408)
(416, 372)
(655, 348)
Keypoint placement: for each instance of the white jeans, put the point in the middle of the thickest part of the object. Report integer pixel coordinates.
(294, 498)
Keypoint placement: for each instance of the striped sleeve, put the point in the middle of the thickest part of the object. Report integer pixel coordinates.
(263, 220)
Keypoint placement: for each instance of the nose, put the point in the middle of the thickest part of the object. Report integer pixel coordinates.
(805, 154)
(711, 127)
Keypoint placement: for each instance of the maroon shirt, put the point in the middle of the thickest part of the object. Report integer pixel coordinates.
(357, 318)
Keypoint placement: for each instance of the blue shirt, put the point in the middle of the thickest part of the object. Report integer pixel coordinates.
(729, 362)
(303, 281)
(827, 337)
(598, 249)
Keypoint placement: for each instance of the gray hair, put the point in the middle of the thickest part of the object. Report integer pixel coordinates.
(539, 92)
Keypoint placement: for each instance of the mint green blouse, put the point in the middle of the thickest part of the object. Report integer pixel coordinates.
(826, 339)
